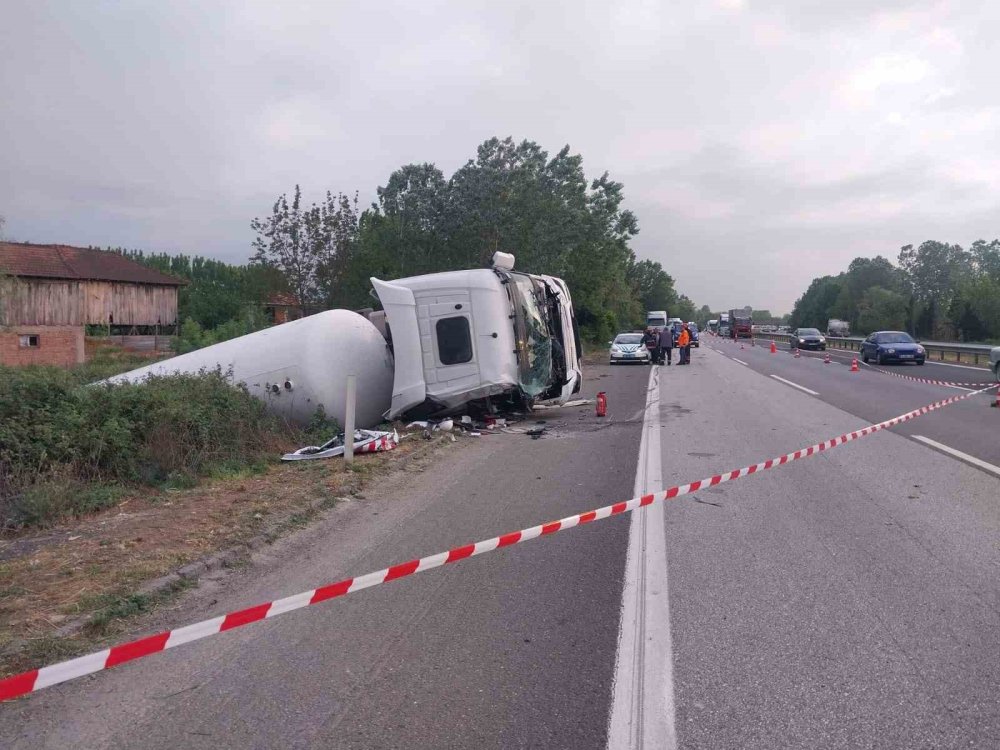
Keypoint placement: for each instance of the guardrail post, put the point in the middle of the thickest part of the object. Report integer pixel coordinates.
(352, 388)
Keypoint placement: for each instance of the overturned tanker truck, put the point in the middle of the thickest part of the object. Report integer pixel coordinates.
(487, 339)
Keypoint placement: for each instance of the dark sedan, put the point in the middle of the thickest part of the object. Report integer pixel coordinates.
(807, 338)
(892, 346)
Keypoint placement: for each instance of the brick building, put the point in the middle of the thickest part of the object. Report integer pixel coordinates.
(49, 293)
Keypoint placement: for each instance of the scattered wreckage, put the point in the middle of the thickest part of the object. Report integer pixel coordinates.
(486, 341)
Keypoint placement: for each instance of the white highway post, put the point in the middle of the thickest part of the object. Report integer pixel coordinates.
(352, 389)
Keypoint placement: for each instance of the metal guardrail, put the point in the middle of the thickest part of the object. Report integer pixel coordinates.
(974, 354)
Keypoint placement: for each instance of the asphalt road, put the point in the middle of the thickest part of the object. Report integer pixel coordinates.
(850, 599)
(971, 426)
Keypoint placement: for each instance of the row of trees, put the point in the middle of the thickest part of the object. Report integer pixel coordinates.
(512, 197)
(935, 290)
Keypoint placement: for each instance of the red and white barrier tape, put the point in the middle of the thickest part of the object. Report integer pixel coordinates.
(28, 682)
(930, 381)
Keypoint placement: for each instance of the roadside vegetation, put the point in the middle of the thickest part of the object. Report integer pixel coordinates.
(935, 290)
(68, 449)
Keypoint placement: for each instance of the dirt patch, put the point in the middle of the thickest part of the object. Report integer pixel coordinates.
(90, 572)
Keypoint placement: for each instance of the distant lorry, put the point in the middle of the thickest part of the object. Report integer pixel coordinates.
(741, 323)
(725, 329)
(835, 327)
(656, 319)
(486, 337)
(713, 326)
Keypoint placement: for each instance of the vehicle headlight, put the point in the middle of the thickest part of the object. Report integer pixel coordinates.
(822, 340)
(891, 351)
(802, 341)
(920, 350)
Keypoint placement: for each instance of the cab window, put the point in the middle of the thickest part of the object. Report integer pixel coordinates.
(454, 340)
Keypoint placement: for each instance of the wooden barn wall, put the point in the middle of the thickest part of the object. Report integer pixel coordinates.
(57, 303)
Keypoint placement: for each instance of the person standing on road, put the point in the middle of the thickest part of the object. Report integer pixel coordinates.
(666, 344)
(684, 342)
(652, 343)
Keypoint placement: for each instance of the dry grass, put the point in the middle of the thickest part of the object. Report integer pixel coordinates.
(91, 568)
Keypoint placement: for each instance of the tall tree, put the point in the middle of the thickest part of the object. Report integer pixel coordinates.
(281, 242)
(653, 286)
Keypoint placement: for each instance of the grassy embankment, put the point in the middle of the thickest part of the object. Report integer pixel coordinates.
(103, 490)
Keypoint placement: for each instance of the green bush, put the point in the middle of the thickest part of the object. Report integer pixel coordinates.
(67, 448)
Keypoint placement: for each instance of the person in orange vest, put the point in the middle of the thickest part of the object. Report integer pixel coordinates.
(684, 343)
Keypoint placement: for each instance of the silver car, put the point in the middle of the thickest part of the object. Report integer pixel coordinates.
(995, 361)
(628, 347)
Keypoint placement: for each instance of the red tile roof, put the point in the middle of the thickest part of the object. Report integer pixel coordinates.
(77, 263)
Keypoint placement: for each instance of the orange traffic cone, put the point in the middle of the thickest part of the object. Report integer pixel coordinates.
(742, 347)
(774, 349)
(826, 359)
(997, 402)
(854, 365)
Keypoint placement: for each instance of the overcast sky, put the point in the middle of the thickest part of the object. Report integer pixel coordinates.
(761, 142)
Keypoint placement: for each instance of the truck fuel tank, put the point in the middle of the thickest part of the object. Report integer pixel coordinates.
(298, 366)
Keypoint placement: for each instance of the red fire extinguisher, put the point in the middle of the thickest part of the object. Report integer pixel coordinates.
(602, 404)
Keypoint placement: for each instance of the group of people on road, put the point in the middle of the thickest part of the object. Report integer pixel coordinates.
(662, 342)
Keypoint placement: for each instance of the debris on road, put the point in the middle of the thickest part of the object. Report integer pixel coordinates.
(365, 441)
(567, 405)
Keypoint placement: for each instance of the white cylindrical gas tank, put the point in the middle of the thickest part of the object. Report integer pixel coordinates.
(296, 367)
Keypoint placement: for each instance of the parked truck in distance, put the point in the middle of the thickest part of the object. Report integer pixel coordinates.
(836, 327)
(741, 323)
(489, 337)
(656, 319)
(725, 328)
(713, 326)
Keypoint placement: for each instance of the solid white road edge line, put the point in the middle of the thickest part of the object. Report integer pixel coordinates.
(954, 364)
(795, 385)
(958, 454)
(642, 700)
(740, 361)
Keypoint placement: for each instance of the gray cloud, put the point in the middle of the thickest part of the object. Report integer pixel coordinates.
(761, 142)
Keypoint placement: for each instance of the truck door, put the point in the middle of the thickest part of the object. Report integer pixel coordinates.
(447, 342)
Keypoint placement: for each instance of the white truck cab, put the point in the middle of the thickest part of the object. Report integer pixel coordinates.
(462, 336)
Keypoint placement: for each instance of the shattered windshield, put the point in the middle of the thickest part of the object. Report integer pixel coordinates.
(534, 344)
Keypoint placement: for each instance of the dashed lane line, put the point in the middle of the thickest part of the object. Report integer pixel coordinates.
(985, 466)
(796, 385)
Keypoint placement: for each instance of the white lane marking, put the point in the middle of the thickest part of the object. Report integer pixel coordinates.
(953, 364)
(958, 454)
(739, 360)
(956, 387)
(795, 385)
(642, 701)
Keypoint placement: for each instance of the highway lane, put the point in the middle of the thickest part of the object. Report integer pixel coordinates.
(846, 600)
(971, 427)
